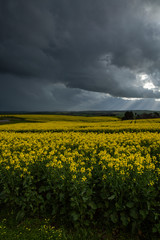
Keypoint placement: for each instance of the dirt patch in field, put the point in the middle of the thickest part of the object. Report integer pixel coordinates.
(4, 121)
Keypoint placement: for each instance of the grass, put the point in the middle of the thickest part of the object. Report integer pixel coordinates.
(43, 229)
(46, 229)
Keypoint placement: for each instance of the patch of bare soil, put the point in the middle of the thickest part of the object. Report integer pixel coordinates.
(5, 120)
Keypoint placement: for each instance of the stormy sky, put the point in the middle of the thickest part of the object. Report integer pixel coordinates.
(79, 55)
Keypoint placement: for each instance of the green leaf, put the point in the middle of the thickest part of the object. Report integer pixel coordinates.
(133, 213)
(61, 196)
(20, 215)
(114, 217)
(75, 216)
(143, 213)
(54, 210)
(154, 229)
(93, 205)
(118, 207)
(89, 192)
(124, 219)
(42, 208)
(111, 197)
(48, 196)
(130, 204)
(42, 189)
(85, 199)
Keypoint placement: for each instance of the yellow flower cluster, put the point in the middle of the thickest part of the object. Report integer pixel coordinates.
(70, 167)
(57, 123)
(81, 154)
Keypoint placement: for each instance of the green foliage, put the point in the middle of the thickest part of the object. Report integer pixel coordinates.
(112, 201)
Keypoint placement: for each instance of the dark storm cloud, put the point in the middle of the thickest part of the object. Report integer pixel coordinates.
(94, 45)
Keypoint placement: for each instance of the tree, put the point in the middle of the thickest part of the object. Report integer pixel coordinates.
(128, 115)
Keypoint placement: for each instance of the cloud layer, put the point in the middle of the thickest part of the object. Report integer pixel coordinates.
(104, 46)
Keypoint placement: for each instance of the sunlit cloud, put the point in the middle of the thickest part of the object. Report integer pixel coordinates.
(149, 85)
(131, 99)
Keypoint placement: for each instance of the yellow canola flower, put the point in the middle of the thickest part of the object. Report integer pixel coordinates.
(84, 179)
(82, 170)
(81, 151)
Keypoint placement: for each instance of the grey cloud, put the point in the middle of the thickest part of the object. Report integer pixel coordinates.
(69, 42)
(57, 97)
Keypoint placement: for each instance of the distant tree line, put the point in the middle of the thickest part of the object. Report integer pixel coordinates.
(129, 115)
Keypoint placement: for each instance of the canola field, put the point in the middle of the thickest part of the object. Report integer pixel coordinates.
(85, 171)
